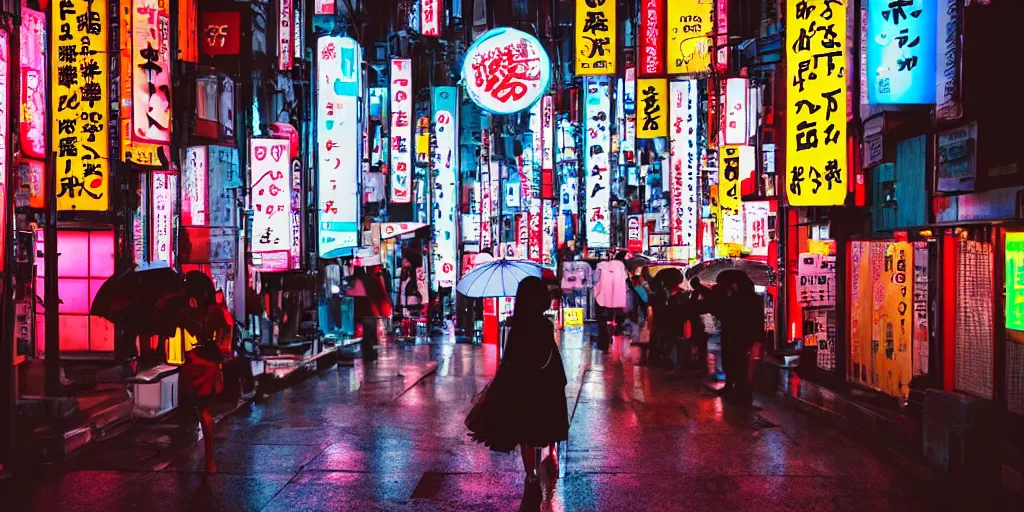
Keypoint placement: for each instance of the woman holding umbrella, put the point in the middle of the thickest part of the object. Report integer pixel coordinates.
(525, 403)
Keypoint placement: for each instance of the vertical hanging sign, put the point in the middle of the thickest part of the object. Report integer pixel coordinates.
(901, 51)
(729, 199)
(194, 187)
(595, 37)
(652, 117)
(446, 164)
(33, 83)
(337, 131)
(947, 48)
(430, 17)
(683, 187)
(686, 51)
(5, 166)
(597, 110)
(270, 202)
(734, 126)
(81, 104)
(145, 110)
(547, 127)
(285, 34)
(816, 92)
(164, 185)
(401, 131)
(548, 242)
(652, 37)
(722, 36)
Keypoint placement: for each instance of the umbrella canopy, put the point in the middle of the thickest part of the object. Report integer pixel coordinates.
(498, 278)
(761, 274)
(146, 301)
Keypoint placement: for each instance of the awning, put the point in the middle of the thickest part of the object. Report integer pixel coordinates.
(393, 229)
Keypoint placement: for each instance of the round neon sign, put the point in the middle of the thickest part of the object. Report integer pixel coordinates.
(506, 71)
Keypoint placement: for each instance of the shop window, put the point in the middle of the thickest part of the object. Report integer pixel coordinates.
(975, 321)
(86, 261)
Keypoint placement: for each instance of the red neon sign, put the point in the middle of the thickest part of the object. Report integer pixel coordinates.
(652, 37)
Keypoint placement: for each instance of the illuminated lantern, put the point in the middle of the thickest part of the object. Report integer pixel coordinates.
(506, 71)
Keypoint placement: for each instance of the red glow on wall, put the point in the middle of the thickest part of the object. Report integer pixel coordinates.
(652, 37)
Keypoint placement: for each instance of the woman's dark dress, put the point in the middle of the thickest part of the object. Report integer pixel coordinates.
(525, 403)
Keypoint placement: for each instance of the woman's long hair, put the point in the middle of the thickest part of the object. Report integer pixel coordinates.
(532, 300)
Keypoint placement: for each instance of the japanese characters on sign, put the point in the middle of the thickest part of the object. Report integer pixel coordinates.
(755, 227)
(683, 161)
(337, 129)
(80, 104)
(222, 175)
(33, 83)
(547, 126)
(165, 183)
(485, 192)
(627, 143)
(597, 176)
(522, 235)
(430, 17)
(31, 180)
(595, 37)
(734, 127)
(140, 220)
(506, 71)
(445, 166)
(947, 49)
(285, 34)
(635, 233)
(220, 33)
(957, 162)
(816, 93)
(5, 95)
(536, 232)
(548, 242)
(145, 113)
(722, 36)
(901, 51)
(401, 131)
(652, 108)
(652, 37)
(729, 199)
(194, 187)
(271, 204)
(687, 51)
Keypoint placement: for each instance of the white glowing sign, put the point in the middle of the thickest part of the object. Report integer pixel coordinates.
(734, 127)
(401, 131)
(445, 164)
(547, 135)
(683, 186)
(271, 204)
(506, 71)
(485, 204)
(194, 187)
(164, 184)
(430, 17)
(337, 133)
(597, 145)
(550, 224)
(755, 227)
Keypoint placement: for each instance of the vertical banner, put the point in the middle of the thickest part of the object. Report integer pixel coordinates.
(548, 242)
(686, 52)
(194, 187)
(627, 142)
(337, 134)
(536, 220)
(729, 199)
(597, 144)
(446, 164)
(652, 37)
(816, 93)
(222, 169)
(270, 202)
(522, 235)
(755, 227)
(401, 131)
(5, 165)
(430, 17)
(140, 222)
(81, 104)
(164, 186)
(484, 182)
(595, 37)
(947, 48)
(145, 109)
(683, 172)
(547, 127)
(652, 116)
(285, 34)
(734, 126)
(901, 51)
(32, 53)
(722, 36)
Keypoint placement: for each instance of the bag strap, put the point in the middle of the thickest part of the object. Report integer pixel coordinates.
(546, 363)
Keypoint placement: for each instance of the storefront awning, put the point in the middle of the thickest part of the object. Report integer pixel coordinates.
(393, 229)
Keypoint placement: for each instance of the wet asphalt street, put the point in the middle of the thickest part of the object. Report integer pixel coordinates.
(380, 437)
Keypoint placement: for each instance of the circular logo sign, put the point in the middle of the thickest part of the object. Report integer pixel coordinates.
(506, 71)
